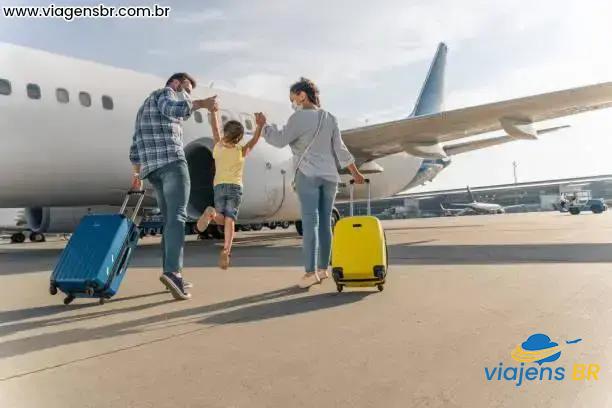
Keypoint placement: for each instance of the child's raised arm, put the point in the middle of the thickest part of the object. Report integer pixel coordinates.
(251, 143)
(214, 122)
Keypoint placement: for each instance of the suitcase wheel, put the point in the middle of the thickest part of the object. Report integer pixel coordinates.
(339, 287)
(68, 300)
(53, 289)
(380, 287)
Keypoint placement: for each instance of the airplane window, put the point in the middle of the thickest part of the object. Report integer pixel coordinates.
(198, 117)
(62, 95)
(85, 99)
(5, 87)
(33, 91)
(248, 124)
(107, 102)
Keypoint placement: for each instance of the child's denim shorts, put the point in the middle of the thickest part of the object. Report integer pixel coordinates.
(227, 199)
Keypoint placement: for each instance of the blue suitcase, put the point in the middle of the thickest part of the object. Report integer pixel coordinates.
(93, 263)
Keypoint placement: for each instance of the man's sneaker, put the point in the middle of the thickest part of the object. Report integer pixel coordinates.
(308, 280)
(186, 285)
(175, 286)
(205, 219)
(224, 259)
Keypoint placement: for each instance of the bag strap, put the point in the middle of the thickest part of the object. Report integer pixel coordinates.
(297, 166)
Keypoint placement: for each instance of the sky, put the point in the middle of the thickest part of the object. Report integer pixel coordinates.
(369, 60)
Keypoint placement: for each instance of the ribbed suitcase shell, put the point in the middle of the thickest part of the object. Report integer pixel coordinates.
(96, 256)
(358, 249)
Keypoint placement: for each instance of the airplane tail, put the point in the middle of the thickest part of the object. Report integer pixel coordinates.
(470, 195)
(431, 98)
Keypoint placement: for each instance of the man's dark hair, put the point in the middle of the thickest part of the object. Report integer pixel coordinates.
(181, 76)
(233, 131)
(306, 85)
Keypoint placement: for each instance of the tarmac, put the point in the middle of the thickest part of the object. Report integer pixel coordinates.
(462, 292)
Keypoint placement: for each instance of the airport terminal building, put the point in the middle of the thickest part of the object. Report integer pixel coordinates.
(533, 196)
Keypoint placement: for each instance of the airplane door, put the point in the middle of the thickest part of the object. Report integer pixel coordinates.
(278, 181)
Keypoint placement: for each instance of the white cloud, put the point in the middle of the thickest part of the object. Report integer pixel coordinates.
(221, 46)
(157, 52)
(198, 17)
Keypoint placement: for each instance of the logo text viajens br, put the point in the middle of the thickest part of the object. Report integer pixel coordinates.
(533, 354)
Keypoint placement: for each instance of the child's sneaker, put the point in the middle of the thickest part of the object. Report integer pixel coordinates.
(205, 219)
(224, 259)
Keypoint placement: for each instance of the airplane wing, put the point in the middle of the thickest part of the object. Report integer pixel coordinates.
(428, 135)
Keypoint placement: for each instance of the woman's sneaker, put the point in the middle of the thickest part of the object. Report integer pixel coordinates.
(308, 280)
(322, 274)
(175, 285)
(205, 219)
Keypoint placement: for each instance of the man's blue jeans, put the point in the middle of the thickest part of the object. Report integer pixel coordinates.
(317, 197)
(172, 185)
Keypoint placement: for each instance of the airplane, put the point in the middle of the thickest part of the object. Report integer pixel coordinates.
(68, 125)
(13, 222)
(476, 207)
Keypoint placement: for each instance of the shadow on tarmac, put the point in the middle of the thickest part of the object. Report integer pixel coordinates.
(246, 311)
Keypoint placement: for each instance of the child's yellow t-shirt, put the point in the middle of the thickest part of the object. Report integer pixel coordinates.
(229, 163)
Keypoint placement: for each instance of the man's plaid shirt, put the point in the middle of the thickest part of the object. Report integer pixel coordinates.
(158, 133)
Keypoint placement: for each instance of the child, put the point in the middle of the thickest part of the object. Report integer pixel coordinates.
(229, 164)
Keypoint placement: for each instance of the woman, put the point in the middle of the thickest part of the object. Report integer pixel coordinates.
(318, 149)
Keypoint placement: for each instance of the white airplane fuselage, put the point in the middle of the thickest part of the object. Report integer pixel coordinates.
(69, 155)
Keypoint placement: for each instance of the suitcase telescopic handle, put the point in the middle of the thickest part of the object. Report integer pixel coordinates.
(352, 194)
(141, 194)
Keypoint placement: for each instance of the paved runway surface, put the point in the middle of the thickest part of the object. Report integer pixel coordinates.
(462, 293)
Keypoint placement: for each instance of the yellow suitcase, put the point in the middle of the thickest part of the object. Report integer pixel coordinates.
(359, 250)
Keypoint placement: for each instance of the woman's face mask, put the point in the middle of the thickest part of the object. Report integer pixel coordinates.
(296, 107)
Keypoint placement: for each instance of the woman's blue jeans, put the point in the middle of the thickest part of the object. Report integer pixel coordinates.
(317, 197)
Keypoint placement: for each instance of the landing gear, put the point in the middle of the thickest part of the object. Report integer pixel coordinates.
(37, 237)
(256, 227)
(18, 238)
(217, 231)
(272, 225)
(68, 300)
(298, 228)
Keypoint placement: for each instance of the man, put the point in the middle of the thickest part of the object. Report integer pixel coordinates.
(157, 155)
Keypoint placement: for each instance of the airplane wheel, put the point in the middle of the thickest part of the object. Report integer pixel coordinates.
(256, 227)
(216, 231)
(285, 224)
(37, 237)
(18, 238)
(53, 289)
(272, 226)
(380, 288)
(339, 288)
(101, 301)
(68, 300)
(298, 228)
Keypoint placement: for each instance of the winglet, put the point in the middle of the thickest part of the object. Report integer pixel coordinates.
(431, 98)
